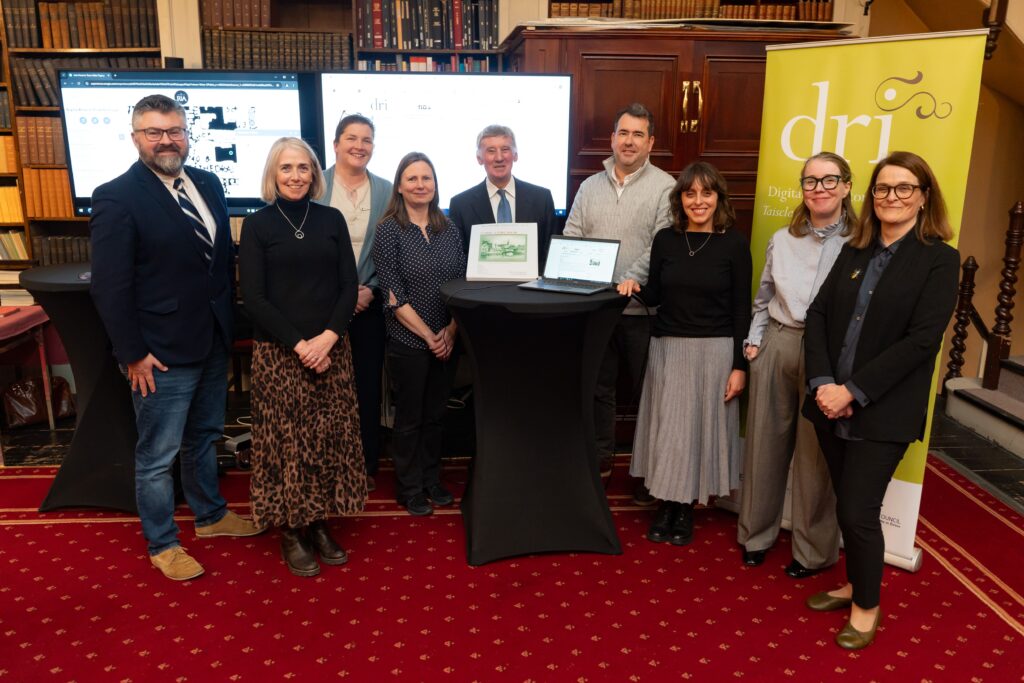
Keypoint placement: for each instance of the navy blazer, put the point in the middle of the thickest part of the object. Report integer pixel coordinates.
(534, 204)
(151, 285)
(903, 327)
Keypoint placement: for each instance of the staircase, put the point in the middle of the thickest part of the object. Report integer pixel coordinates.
(996, 414)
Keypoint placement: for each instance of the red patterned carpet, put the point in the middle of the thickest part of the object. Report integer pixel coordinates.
(79, 602)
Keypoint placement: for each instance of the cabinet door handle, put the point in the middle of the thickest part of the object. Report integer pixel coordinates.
(683, 121)
(694, 123)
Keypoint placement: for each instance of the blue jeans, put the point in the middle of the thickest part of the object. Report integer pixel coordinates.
(185, 415)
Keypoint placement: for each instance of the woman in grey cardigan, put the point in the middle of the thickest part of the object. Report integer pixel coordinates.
(362, 197)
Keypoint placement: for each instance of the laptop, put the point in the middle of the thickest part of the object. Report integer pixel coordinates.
(577, 265)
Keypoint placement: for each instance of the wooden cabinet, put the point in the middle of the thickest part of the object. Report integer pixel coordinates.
(704, 88)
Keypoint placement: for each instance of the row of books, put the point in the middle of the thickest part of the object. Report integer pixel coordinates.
(110, 23)
(41, 140)
(16, 297)
(802, 10)
(8, 155)
(5, 110)
(291, 50)
(236, 13)
(61, 249)
(12, 246)
(35, 80)
(47, 193)
(441, 64)
(10, 205)
(427, 24)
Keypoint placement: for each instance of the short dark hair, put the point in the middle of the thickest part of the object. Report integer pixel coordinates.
(636, 110)
(158, 103)
(709, 178)
(347, 121)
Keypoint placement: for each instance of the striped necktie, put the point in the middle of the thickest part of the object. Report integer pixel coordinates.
(504, 208)
(202, 233)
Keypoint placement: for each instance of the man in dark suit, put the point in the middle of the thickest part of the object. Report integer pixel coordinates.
(162, 283)
(500, 198)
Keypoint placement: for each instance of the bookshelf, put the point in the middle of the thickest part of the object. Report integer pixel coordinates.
(751, 10)
(368, 35)
(39, 39)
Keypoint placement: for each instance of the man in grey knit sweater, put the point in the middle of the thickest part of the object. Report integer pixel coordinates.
(629, 202)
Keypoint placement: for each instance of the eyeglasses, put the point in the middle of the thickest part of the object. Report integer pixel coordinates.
(903, 190)
(828, 182)
(157, 134)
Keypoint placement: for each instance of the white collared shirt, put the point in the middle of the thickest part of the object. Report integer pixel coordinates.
(194, 195)
(619, 187)
(510, 193)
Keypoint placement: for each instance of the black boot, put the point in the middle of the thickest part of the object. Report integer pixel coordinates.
(682, 527)
(663, 520)
(330, 552)
(297, 553)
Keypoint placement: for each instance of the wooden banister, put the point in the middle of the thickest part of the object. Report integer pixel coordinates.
(964, 308)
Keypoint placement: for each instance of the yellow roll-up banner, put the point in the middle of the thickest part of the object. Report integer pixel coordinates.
(863, 99)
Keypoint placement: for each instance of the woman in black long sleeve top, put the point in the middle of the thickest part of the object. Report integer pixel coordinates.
(687, 436)
(299, 284)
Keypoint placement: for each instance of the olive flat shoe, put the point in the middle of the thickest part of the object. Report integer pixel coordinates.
(823, 602)
(850, 638)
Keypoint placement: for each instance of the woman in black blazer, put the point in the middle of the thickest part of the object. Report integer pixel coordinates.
(872, 336)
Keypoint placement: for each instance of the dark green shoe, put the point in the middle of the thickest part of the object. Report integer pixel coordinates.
(823, 602)
(850, 638)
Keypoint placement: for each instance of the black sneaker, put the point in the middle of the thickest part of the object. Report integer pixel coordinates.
(439, 495)
(663, 520)
(419, 506)
(682, 527)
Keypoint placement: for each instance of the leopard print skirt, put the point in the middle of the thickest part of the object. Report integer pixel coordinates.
(307, 454)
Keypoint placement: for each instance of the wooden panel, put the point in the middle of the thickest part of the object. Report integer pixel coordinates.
(726, 129)
(541, 56)
(314, 15)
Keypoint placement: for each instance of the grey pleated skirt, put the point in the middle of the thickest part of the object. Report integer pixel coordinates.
(687, 443)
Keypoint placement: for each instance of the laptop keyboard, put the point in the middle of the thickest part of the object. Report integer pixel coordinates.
(564, 286)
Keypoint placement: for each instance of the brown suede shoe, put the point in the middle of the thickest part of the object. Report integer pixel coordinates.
(850, 638)
(176, 564)
(229, 525)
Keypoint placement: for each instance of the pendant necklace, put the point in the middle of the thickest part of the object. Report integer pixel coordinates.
(298, 231)
(691, 249)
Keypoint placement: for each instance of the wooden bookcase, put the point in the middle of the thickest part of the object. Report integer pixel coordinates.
(333, 35)
(750, 10)
(40, 38)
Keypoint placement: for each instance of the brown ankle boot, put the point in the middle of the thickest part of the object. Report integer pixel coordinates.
(297, 552)
(330, 552)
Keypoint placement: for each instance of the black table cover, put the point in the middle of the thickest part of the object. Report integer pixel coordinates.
(99, 469)
(535, 485)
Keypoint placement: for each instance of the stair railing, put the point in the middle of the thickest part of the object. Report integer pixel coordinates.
(998, 339)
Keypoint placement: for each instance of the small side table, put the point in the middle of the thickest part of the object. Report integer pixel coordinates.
(21, 324)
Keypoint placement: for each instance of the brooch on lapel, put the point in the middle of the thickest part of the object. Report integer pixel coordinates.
(855, 274)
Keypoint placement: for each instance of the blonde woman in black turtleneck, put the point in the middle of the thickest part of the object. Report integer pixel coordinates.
(299, 286)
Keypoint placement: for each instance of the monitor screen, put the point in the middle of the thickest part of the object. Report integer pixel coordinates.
(440, 115)
(233, 118)
(574, 258)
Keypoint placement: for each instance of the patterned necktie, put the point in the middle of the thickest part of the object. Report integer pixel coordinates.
(504, 209)
(198, 226)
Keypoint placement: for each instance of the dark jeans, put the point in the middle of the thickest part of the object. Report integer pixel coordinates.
(184, 416)
(860, 472)
(420, 385)
(629, 342)
(367, 339)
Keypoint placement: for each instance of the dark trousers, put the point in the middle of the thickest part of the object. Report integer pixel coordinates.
(860, 472)
(629, 343)
(366, 336)
(420, 385)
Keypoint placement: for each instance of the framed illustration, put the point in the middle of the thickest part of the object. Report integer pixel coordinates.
(503, 252)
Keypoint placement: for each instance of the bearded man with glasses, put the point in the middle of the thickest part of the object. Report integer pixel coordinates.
(162, 284)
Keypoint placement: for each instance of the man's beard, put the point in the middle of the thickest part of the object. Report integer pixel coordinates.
(165, 163)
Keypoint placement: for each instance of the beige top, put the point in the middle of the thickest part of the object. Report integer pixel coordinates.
(355, 207)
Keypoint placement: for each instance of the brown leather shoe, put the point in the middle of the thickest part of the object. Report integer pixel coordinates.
(330, 552)
(823, 602)
(176, 564)
(298, 553)
(229, 525)
(850, 638)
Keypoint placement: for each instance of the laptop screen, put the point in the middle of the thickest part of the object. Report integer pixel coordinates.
(573, 258)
